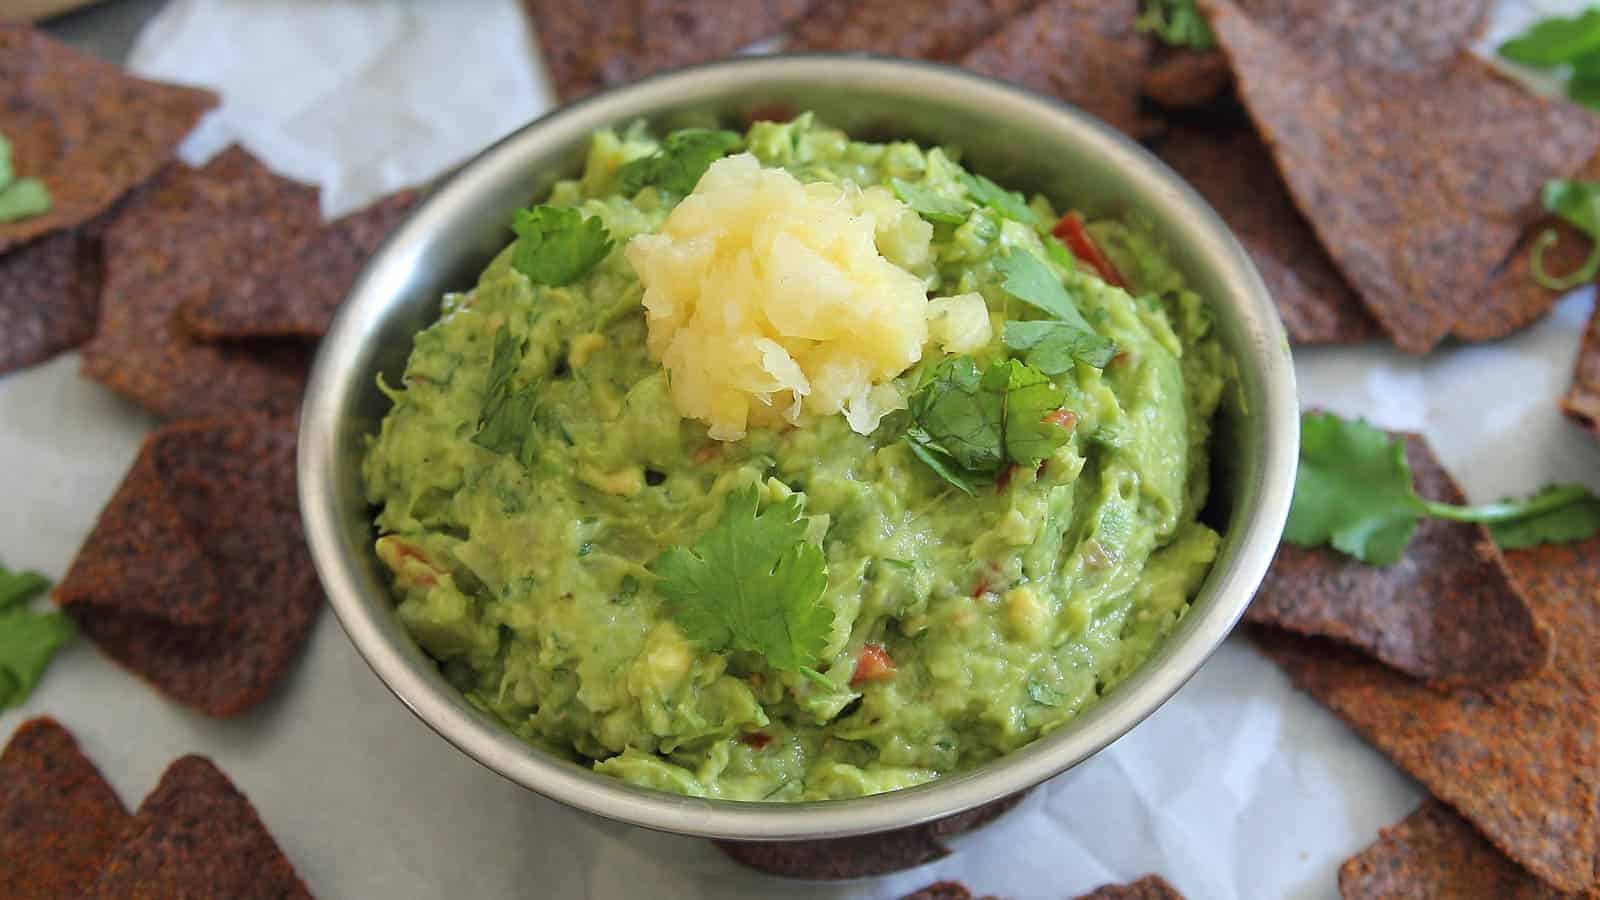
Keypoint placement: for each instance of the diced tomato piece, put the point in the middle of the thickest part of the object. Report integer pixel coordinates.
(1072, 233)
(872, 664)
(1062, 418)
(755, 740)
(708, 452)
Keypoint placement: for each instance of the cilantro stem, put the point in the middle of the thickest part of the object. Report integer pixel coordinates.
(1507, 510)
(1547, 239)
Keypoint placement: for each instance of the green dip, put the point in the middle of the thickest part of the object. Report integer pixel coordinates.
(1003, 615)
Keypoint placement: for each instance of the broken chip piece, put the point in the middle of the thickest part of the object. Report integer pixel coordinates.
(49, 298)
(1150, 887)
(59, 819)
(241, 593)
(1434, 853)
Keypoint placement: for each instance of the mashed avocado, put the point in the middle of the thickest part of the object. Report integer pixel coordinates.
(525, 499)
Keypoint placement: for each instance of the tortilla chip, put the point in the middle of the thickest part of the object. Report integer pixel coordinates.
(1231, 168)
(920, 29)
(1582, 400)
(1419, 180)
(1447, 612)
(867, 855)
(1433, 853)
(183, 237)
(232, 482)
(1519, 761)
(591, 44)
(941, 890)
(1187, 79)
(1415, 36)
(59, 819)
(197, 836)
(88, 130)
(1085, 52)
(295, 293)
(1150, 887)
(49, 298)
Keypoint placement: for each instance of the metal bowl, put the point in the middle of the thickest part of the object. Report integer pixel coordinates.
(1020, 139)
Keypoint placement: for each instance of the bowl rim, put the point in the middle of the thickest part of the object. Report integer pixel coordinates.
(495, 747)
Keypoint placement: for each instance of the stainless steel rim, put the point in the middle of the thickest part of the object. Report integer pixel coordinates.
(324, 430)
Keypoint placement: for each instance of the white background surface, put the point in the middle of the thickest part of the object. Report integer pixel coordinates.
(1238, 787)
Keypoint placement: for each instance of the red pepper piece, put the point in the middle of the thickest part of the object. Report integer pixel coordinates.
(872, 664)
(1072, 233)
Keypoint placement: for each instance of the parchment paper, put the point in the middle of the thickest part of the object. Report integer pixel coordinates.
(1237, 788)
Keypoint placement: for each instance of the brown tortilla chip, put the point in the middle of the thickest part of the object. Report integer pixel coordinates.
(295, 293)
(1419, 181)
(920, 29)
(182, 237)
(867, 855)
(58, 817)
(1582, 400)
(941, 890)
(49, 298)
(1187, 79)
(197, 836)
(1519, 761)
(1231, 168)
(88, 130)
(591, 44)
(1085, 52)
(232, 482)
(1433, 853)
(1150, 887)
(1448, 611)
(1414, 36)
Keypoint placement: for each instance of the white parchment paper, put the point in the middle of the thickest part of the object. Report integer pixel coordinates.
(1237, 788)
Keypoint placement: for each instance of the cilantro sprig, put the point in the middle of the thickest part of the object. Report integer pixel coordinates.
(1571, 44)
(1354, 492)
(1050, 346)
(1578, 204)
(20, 198)
(556, 245)
(1176, 22)
(509, 414)
(934, 207)
(1009, 204)
(28, 639)
(753, 582)
(684, 157)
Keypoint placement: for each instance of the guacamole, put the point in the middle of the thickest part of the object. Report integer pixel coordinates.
(552, 448)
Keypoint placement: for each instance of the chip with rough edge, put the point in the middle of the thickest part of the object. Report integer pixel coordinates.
(1413, 165)
(49, 298)
(1150, 887)
(943, 31)
(196, 835)
(84, 127)
(1231, 168)
(1434, 853)
(59, 819)
(1582, 400)
(1447, 611)
(185, 236)
(1183, 79)
(294, 293)
(1521, 761)
(591, 44)
(1085, 52)
(941, 890)
(865, 856)
(232, 484)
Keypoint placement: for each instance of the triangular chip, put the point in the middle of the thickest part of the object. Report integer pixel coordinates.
(1419, 180)
(233, 482)
(197, 836)
(1582, 400)
(867, 855)
(295, 293)
(88, 130)
(59, 819)
(1231, 168)
(1448, 611)
(1519, 761)
(1434, 853)
(591, 44)
(1150, 887)
(185, 236)
(1085, 52)
(920, 29)
(49, 298)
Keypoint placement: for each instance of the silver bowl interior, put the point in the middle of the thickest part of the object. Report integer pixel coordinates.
(1018, 138)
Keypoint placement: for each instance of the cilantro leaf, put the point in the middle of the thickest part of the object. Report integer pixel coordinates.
(752, 582)
(28, 639)
(924, 448)
(684, 157)
(1176, 22)
(1009, 204)
(8, 173)
(1030, 397)
(1572, 514)
(931, 206)
(1556, 40)
(1026, 277)
(17, 588)
(1053, 347)
(1045, 695)
(557, 246)
(1578, 203)
(962, 413)
(506, 424)
(23, 198)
